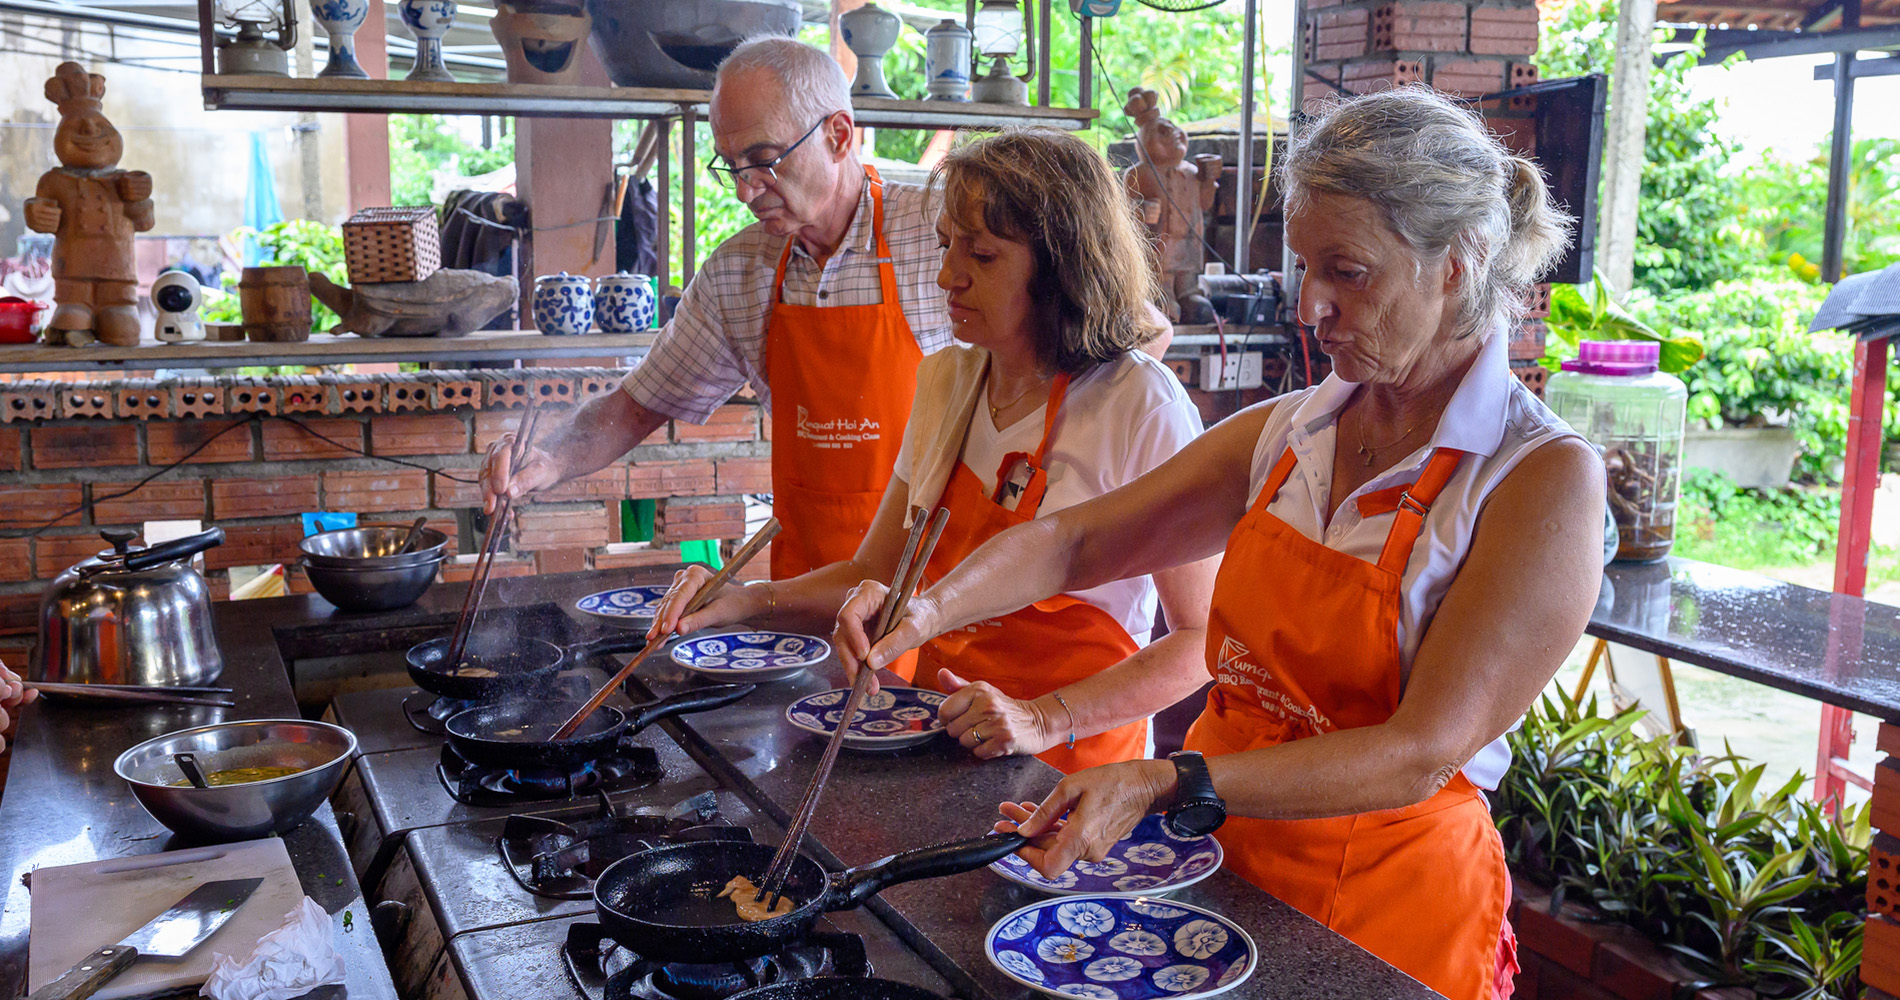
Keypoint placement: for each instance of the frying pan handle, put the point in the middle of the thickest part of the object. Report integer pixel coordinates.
(619, 642)
(178, 548)
(697, 700)
(861, 883)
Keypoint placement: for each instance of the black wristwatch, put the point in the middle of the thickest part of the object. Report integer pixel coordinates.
(1197, 811)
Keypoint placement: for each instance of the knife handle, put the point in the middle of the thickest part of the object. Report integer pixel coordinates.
(86, 978)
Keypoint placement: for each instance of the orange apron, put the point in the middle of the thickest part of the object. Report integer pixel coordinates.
(1048, 645)
(1302, 640)
(842, 378)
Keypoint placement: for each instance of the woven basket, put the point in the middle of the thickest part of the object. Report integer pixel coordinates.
(392, 244)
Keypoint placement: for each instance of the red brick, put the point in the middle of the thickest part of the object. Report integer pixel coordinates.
(631, 557)
(560, 529)
(609, 483)
(1527, 341)
(745, 475)
(52, 554)
(1419, 26)
(16, 560)
(255, 545)
(728, 423)
(11, 457)
(170, 441)
(420, 434)
(1504, 31)
(560, 560)
(19, 615)
(1315, 96)
(1339, 34)
(450, 494)
(1634, 969)
(278, 496)
(1521, 74)
(85, 446)
(29, 506)
(1469, 78)
(676, 522)
(1382, 74)
(462, 568)
(373, 490)
(159, 500)
(284, 441)
(490, 425)
(690, 478)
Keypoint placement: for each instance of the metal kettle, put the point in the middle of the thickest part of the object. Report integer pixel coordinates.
(130, 616)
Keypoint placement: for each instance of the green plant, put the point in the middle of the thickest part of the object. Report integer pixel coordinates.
(1600, 317)
(1685, 847)
(424, 149)
(1784, 201)
(313, 246)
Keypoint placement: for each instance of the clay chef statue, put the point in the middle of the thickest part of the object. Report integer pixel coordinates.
(92, 209)
(1174, 196)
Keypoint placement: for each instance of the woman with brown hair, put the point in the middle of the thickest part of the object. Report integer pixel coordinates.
(1045, 402)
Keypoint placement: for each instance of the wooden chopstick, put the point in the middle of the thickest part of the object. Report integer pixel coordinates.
(58, 687)
(146, 697)
(910, 569)
(751, 548)
(491, 540)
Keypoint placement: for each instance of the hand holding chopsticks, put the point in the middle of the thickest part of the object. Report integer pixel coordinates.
(751, 548)
(485, 559)
(910, 572)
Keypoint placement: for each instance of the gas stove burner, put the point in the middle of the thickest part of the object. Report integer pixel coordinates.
(628, 767)
(606, 971)
(559, 860)
(427, 712)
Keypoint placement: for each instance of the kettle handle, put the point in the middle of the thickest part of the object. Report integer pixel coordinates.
(177, 548)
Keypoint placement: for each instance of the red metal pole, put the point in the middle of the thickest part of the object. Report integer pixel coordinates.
(1859, 481)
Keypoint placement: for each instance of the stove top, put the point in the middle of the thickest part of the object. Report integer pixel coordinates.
(560, 860)
(629, 767)
(603, 970)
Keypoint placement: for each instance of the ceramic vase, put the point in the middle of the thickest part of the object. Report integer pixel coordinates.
(340, 19)
(870, 31)
(563, 304)
(947, 61)
(429, 20)
(541, 43)
(624, 303)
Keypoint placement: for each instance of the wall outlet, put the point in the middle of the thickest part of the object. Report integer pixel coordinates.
(1241, 371)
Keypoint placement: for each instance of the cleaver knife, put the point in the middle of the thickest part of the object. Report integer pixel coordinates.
(171, 934)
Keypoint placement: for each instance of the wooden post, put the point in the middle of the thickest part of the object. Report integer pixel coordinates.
(366, 137)
(1623, 141)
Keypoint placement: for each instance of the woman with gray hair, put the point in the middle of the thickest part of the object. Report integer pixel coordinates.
(1411, 549)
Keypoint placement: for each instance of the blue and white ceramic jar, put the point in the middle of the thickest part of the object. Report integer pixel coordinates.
(624, 303)
(563, 304)
(429, 20)
(340, 19)
(947, 61)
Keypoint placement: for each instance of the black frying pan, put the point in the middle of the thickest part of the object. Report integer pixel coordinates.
(514, 734)
(515, 663)
(838, 988)
(663, 901)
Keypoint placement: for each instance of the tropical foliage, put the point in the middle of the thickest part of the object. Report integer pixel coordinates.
(424, 149)
(313, 246)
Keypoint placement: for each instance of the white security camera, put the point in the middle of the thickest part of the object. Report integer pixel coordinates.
(177, 296)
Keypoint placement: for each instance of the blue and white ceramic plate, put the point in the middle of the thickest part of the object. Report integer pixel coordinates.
(1150, 861)
(893, 718)
(626, 606)
(1121, 948)
(753, 655)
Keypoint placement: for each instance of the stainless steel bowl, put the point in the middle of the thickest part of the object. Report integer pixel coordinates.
(250, 810)
(372, 546)
(372, 588)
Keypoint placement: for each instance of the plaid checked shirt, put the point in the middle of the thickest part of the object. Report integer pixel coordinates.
(716, 339)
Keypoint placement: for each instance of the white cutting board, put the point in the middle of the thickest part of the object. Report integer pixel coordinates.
(77, 908)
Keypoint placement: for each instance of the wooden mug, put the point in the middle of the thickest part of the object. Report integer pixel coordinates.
(276, 303)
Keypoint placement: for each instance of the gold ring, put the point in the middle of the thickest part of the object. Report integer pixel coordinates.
(976, 732)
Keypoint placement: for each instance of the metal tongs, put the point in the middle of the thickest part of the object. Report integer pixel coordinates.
(485, 559)
(910, 572)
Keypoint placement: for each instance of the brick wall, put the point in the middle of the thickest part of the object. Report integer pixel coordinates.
(1463, 48)
(259, 452)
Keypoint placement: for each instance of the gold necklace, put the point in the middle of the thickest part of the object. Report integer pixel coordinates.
(1366, 451)
(994, 409)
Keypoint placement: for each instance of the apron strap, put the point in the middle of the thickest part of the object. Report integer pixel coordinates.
(1282, 470)
(886, 270)
(1414, 503)
(1038, 471)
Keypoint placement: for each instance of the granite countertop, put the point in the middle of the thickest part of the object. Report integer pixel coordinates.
(1831, 647)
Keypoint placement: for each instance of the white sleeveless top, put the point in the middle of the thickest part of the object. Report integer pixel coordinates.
(1492, 417)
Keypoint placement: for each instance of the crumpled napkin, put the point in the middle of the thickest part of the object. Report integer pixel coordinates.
(288, 962)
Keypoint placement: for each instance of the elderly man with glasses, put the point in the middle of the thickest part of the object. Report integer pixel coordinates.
(825, 306)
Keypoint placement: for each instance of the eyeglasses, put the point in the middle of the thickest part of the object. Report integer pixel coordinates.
(761, 174)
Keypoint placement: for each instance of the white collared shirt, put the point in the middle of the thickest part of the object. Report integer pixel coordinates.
(1492, 417)
(716, 340)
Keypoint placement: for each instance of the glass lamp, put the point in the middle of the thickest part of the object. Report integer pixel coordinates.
(1000, 28)
(254, 51)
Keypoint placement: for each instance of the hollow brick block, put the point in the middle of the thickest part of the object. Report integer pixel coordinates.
(590, 386)
(27, 404)
(1532, 374)
(250, 397)
(197, 398)
(80, 446)
(557, 391)
(144, 400)
(85, 400)
(1883, 876)
(168, 441)
(1539, 301)
(450, 394)
(304, 394)
(359, 396)
(399, 397)
(506, 393)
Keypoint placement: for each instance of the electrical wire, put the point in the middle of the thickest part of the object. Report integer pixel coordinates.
(254, 419)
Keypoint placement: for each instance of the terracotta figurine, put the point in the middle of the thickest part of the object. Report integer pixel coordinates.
(1174, 196)
(92, 209)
